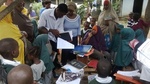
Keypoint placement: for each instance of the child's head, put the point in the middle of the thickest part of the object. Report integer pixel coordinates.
(9, 48)
(104, 67)
(34, 52)
(21, 74)
(47, 4)
(42, 30)
(86, 25)
(131, 15)
(93, 21)
(136, 17)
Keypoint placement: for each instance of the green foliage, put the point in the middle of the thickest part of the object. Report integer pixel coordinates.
(116, 5)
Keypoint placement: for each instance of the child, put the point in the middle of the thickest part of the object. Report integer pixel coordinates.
(9, 50)
(130, 20)
(38, 66)
(85, 29)
(41, 41)
(115, 41)
(21, 74)
(103, 69)
(42, 30)
(138, 23)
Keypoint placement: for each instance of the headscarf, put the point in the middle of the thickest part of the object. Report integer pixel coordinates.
(109, 13)
(125, 54)
(23, 22)
(72, 6)
(9, 30)
(139, 35)
(41, 41)
(116, 39)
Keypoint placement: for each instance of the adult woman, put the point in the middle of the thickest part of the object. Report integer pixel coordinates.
(9, 30)
(71, 23)
(41, 41)
(107, 19)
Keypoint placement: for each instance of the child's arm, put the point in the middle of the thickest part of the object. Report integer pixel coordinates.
(89, 35)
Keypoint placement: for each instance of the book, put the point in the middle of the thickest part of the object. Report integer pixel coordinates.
(82, 49)
(66, 36)
(93, 63)
(77, 64)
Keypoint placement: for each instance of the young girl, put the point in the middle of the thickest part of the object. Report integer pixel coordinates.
(38, 66)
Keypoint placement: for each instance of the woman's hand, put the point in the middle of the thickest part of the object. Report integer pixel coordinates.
(89, 53)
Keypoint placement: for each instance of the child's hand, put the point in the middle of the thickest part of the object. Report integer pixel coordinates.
(90, 34)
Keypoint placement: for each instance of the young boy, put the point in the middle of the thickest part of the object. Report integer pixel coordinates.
(103, 69)
(130, 20)
(9, 50)
(85, 29)
(21, 74)
(38, 66)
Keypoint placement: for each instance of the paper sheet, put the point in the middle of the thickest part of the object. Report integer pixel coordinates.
(63, 44)
(129, 73)
(71, 68)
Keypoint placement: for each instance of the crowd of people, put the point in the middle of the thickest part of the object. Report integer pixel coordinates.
(28, 48)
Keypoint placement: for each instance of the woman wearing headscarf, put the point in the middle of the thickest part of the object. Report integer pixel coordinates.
(107, 19)
(22, 21)
(41, 41)
(72, 23)
(125, 53)
(9, 30)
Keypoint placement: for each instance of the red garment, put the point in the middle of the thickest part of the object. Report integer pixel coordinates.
(140, 25)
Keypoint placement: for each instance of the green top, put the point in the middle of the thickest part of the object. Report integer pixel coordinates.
(96, 82)
(41, 41)
(124, 53)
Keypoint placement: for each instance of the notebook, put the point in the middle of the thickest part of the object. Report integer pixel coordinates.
(77, 64)
(93, 63)
(82, 49)
(65, 35)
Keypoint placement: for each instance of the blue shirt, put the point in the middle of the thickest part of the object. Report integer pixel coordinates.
(73, 25)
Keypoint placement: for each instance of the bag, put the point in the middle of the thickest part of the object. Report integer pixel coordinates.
(3, 74)
(107, 40)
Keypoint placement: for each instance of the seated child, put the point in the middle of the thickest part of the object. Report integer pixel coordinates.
(21, 74)
(130, 20)
(38, 66)
(103, 69)
(9, 50)
(85, 29)
(115, 41)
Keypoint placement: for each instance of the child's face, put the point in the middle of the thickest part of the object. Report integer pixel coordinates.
(118, 30)
(86, 25)
(30, 57)
(15, 53)
(93, 22)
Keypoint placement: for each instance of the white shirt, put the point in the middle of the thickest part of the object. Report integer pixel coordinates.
(48, 20)
(37, 70)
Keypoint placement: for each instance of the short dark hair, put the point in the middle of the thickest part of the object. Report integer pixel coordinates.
(35, 51)
(7, 45)
(62, 8)
(104, 67)
(136, 16)
(42, 30)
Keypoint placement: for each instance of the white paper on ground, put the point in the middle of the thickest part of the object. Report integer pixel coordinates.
(129, 73)
(71, 68)
(63, 44)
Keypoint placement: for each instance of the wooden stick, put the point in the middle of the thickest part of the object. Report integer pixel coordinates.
(7, 10)
(2, 2)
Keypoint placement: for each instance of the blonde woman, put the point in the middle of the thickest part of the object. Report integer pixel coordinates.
(72, 23)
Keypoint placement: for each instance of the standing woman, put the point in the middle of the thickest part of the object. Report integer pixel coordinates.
(71, 23)
(107, 19)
